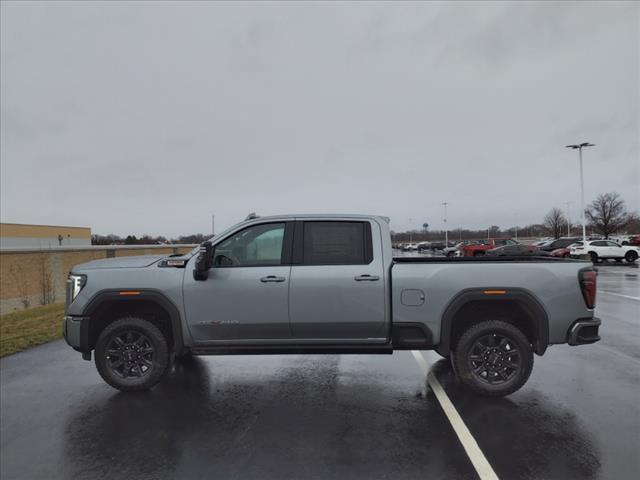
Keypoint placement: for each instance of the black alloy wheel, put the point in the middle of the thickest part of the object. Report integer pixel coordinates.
(494, 359)
(130, 354)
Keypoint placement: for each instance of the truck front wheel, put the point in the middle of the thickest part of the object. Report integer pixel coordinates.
(493, 358)
(131, 354)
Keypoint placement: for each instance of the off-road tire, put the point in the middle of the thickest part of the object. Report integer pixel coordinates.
(465, 348)
(156, 340)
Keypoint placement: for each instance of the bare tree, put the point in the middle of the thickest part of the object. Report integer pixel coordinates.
(554, 222)
(607, 214)
(17, 273)
(47, 291)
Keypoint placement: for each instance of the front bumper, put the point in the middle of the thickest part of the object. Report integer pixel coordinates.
(584, 331)
(76, 332)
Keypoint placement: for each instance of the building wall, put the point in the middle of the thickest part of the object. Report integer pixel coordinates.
(33, 277)
(16, 235)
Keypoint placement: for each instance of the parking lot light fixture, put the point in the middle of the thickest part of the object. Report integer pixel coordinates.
(579, 147)
(446, 230)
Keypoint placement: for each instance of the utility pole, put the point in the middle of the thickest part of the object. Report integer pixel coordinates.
(568, 218)
(410, 231)
(213, 224)
(579, 147)
(446, 230)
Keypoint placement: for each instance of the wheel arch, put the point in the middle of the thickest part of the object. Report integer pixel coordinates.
(516, 305)
(109, 305)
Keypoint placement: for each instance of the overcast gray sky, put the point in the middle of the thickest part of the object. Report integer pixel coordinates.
(149, 117)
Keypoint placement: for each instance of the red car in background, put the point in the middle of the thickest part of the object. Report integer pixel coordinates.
(480, 248)
(561, 252)
(635, 241)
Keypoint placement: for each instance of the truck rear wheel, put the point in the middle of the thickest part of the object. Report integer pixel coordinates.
(131, 354)
(493, 358)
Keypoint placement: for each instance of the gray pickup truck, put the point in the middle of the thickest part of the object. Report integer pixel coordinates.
(326, 284)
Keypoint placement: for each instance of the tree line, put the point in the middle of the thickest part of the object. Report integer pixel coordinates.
(605, 215)
(112, 239)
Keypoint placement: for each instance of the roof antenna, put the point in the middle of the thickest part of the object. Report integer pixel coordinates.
(251, 216)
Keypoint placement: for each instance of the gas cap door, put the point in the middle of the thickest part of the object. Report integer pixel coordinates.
(412, 297)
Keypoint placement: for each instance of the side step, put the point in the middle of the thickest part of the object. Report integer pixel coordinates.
(385, 349)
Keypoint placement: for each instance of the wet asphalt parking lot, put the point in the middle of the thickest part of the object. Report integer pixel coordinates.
(332, 416)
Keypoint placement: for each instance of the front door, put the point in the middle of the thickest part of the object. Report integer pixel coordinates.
(337, 289)
(246, 294)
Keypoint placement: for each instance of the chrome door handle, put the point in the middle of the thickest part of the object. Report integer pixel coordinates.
(272, 278)
(366, 278)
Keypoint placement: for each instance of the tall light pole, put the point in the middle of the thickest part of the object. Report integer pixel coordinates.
(568, 218)
(446, 230)
(579, 147)
(410, 231)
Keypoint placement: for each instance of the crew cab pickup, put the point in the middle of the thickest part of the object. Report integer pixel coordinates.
(312, 284)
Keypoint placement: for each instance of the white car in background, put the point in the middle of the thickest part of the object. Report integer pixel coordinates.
(621, 239)
(605, 249)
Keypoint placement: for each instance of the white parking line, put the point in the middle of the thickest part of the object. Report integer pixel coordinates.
(620, 295)
(479, 461)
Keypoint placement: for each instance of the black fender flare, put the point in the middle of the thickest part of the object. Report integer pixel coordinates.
(146, 294)
(521, 296)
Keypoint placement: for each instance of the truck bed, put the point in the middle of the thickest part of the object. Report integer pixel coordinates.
(483, 258)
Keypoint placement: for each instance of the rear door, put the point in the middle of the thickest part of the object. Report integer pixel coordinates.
(337, 286)
(614, 249)
(601, 248)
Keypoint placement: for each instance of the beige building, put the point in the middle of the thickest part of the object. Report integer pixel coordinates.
(18, 235)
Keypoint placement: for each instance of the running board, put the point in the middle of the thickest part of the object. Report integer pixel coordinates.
(385, 349)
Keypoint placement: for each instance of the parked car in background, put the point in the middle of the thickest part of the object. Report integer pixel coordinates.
(605, 249)
(433, 246)
(562, 242)
(622, 239)
(477, 249)
(451, 251)
(562, 252)
(517, 250)
(543, 241)
(424, 246)
(635, 241)
(409, 247)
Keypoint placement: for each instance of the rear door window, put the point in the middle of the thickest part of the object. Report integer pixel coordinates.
(336, 243)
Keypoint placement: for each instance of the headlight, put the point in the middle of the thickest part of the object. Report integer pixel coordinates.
(75, 283)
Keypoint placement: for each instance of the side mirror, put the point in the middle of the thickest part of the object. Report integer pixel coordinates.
(203, 262)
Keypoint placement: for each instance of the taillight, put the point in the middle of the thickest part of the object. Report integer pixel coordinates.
(588, 287)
